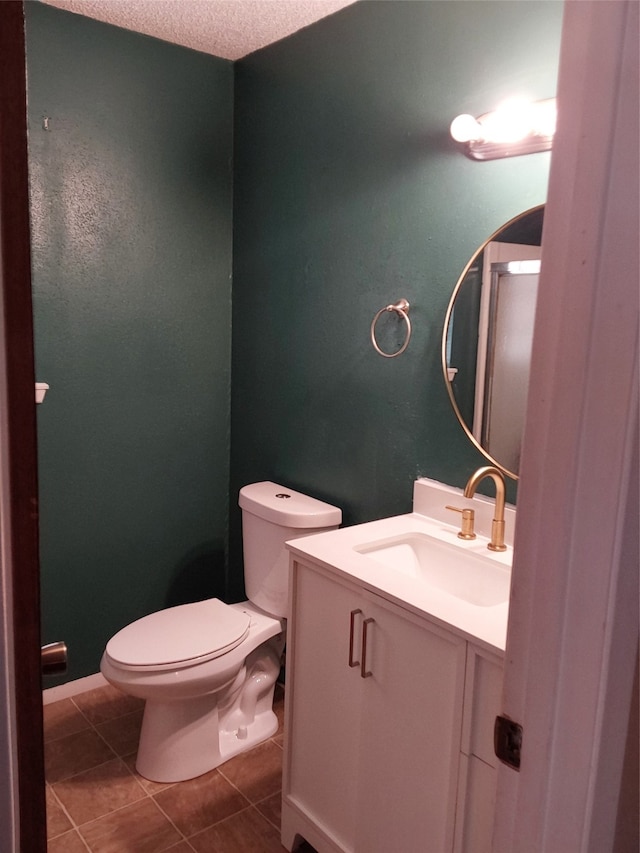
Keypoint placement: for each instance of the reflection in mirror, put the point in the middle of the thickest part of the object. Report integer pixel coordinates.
(486, 342)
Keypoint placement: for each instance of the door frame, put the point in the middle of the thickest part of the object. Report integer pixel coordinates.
(572, 641)
(23, 807)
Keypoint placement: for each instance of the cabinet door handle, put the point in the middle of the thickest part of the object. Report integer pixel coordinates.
(363, 668)
(352, 623)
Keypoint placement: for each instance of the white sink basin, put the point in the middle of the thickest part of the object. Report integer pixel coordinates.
(465, 575)
(417, 561)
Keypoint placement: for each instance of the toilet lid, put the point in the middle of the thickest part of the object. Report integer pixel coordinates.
(203, 630)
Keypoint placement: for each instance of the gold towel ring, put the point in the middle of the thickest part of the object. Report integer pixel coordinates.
(401, 307)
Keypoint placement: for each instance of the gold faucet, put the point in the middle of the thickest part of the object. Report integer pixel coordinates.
(497, 525)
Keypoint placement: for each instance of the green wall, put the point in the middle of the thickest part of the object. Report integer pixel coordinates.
(348, 194)
(131, 229)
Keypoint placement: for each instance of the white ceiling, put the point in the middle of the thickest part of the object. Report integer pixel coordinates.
(227, 28)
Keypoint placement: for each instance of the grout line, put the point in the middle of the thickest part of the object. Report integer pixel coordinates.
(81, 837)
(82, 713)
(183, 837)
(109, 719)
(63, 809)
(62, 737)
(180, 843)
(50, 695)
(263, 800)
(248, 805)
(147, 794)
(204, 829)
(80, 772)
(113, 811)
(103, 739)
(222, 820)
(68, 832)
(226, 779)
(141, 780)
(91, 727)
(77, 825)
(74, 825)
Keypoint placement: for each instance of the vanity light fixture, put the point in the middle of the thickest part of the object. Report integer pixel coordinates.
(516, 127)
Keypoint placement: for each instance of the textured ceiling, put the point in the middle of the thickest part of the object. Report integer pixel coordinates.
(226, 28)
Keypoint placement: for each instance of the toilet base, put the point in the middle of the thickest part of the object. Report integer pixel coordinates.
(184, 739)
(190, 751)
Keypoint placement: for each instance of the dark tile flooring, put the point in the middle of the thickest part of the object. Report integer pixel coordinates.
(97, 802)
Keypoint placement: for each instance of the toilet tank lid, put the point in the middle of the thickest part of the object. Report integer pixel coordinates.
(287, 507)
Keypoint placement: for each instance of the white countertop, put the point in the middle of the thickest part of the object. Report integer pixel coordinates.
(335, 551)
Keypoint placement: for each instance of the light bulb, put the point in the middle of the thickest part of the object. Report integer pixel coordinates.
(509, 123)
(516, 127)
(465, 128)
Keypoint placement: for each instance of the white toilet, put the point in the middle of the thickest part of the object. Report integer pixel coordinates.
(208, 670)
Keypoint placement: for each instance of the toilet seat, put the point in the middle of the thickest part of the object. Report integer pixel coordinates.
(179, 636)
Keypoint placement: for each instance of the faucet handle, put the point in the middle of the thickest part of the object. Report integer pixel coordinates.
(468, 516)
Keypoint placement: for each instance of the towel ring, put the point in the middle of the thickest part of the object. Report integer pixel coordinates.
(401, 307)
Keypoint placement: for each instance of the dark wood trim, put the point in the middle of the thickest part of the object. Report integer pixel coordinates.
(22, 473)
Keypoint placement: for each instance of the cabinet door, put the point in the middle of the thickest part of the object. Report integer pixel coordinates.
(482, 697)
(478, 773)
(323, 710)
(410, 744)
(476, 805)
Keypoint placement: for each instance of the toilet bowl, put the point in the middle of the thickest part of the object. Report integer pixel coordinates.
(220, 685)
(207, 670)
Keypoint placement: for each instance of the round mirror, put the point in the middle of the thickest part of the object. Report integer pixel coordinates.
(486, 342)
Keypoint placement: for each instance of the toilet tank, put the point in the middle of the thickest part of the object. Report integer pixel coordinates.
(271, 515)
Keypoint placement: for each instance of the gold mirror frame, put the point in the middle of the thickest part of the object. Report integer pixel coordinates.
(495, 236)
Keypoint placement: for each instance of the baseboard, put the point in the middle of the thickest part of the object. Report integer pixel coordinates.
(73, 688)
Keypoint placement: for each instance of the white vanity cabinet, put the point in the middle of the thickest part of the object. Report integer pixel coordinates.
(372, 750)
(478, 763)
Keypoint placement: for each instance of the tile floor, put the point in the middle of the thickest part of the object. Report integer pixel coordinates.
(97, 802)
